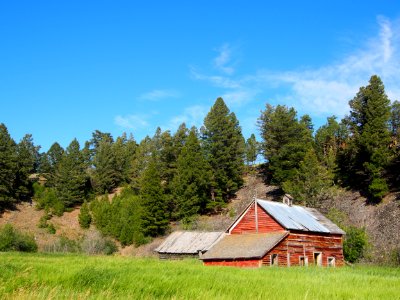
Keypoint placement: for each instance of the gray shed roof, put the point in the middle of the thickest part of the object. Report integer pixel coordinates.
(189, 242)
(239, 246)
(333, 228)
(299, 218)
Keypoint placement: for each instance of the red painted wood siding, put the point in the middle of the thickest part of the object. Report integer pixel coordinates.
(250, 263)
(248, 223)
(298, 244)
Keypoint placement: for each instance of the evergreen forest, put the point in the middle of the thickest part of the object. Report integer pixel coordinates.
(176, 176)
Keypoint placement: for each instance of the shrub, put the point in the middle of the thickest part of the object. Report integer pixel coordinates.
(92, 243)
(50, 228)
(95, 243)
(355, 243)
(13, 240)
(63, 245)
(43, 220)
(378, 189)
(46, 198)
(120, 218)
(84, 216)
(395, 257)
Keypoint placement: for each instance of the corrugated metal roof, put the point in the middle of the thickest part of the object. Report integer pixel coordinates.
(333, 228)
(236, 246)
(293, 217)
(189, 242)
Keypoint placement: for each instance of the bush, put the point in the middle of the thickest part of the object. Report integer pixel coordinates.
(395, 257)
(92, 243)
(63, 245)
(44, 224)
(51, 229)
(95, 243)
(43, 220)
(378, 189)
(84, 216)
(46, 198)
(13, 240)
(120, 218)
(355, 243)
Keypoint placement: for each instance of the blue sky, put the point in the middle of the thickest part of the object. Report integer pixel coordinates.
(69, 68)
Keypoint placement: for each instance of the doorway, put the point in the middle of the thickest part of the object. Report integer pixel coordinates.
(317, 258)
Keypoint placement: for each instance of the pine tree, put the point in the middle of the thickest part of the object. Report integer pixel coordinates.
(124, 150)
(395, 124)
(179, 139)
(395, 144)
(8, 167)
(105, 176)
(191, 183)
(252, 147)
(27, 161)
(84, 216)
(330, 139)
(155, 215)
(140, 162)
(71, 178)
(49, 163)
(224, 148)
(163, 151)
(368, 123)
(97, 138)
(312, 181)
(285, 141)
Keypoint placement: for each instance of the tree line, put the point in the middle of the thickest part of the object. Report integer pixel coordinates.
(176, 176)
(166, 177)
(360, 152)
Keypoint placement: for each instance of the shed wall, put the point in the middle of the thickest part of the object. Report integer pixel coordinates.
(249, 263)
(248, 223)
(176, 256)
(297, 245)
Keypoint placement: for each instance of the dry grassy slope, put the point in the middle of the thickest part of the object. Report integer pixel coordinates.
(382, 221)
(26, 218)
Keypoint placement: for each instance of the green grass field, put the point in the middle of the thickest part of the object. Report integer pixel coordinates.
(41, 276)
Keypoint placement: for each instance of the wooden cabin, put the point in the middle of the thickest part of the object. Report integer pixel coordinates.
(272, 233)
(184, 244)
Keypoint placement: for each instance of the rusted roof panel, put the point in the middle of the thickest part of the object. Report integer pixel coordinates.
(239, 246)
(293, 217)
(189, 242)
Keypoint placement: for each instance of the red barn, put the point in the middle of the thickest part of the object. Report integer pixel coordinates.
(271, 233)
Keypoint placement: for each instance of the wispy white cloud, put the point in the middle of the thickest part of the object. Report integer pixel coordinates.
(215, 80)
(238, 97)
(133, 122)
(156, 95)
(191, 116)
(325, 90)
(238, 90)
(221, 62)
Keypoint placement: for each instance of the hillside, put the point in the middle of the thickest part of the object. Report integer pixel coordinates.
(382, 222)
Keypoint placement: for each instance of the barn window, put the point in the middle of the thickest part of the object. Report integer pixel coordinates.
(331, 262)
(303, 261)
(317, 258)
(274, 259)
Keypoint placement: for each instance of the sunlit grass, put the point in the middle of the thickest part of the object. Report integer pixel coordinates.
(40, 276)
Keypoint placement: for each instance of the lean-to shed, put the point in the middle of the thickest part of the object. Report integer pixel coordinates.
(180, 244)
(280, 234)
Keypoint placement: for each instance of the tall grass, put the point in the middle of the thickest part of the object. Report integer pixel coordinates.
(44, 276)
